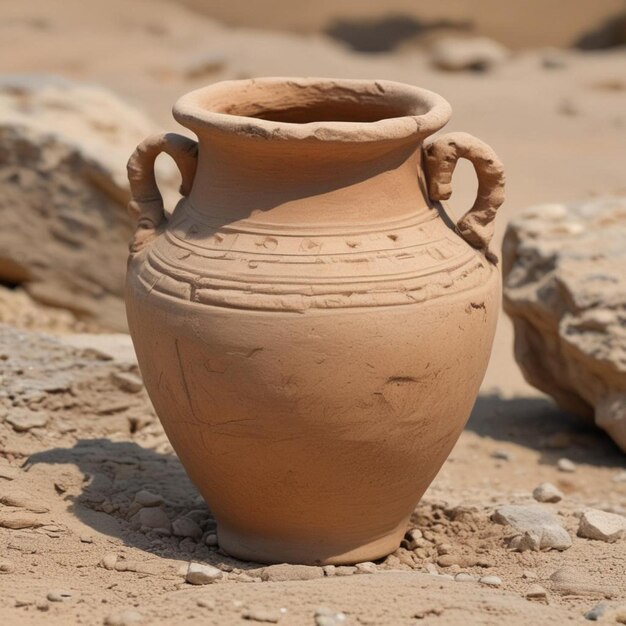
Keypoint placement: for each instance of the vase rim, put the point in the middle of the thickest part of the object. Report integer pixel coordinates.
(367, 110)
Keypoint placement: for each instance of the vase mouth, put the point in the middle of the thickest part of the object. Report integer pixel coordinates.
(314, 109)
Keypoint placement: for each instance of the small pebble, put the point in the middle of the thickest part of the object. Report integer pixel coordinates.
(502, 455)
(201, 574)
(367, 567)
(327, 617)
(597, 612)
(86, 539)
(262, 615)
(547, 492)
(126, 617)
(42, 605)
(185, 527)
(565, 465)
(108, 561)
(492, 581)
(329, 570)
(6, 567)
(464, 577)
(536, 592)
(58, 595)
(147, 498)
(211, 540)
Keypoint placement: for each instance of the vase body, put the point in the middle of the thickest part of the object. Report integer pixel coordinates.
(310, 329)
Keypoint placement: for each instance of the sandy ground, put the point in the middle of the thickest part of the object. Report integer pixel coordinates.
(558, 121)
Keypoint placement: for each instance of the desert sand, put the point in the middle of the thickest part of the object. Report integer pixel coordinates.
(557, 119)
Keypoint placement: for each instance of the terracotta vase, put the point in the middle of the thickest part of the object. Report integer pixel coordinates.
(312, 329)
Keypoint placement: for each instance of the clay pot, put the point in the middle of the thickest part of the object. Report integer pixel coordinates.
(312, 329)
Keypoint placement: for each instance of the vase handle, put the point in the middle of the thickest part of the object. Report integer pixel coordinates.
(477, 225)
(146, 202)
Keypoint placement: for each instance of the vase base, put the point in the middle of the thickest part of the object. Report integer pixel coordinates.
(263, 550)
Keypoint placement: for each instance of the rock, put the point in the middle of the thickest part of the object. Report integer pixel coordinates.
(59, 595)
(127, 381)
(125, 617)
(565, 465)
(18, 520)
(345, 570)
(597, 611)
(285, 571)
(185, 527)
(147, 498)
(536, 592)
(151, 518)
(201, 574)
(595, 524)
(6, 567)
(464, 577)
(536, 525)
(464, 53)
(367, 567)
(492, 581)
(547, 492)
(23, 420)
(211, 540)
(501, 455)
(262, 615)
(565, 290)
(572, 581)
(108, 561)
(63, 193)
(328, 617)
(21, 500)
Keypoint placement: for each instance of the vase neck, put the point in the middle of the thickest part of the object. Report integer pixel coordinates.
(307, 183)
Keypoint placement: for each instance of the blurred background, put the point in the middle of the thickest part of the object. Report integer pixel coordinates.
(542, 81)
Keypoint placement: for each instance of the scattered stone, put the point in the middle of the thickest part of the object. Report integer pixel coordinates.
(547, 492)
(125, 617)
(206, 603)
(536, 592)
(539, 529)
(42, 605)
(285, 571)
(477, 54)
(597, 611)
(185, 527)
(128, 382)
(565, 289)
(211, 540)
(18, 520)
(367, 567)
(59, 595)
(328, 617)
(23, 420)
(6, 567)
(108, 561)
(464, 577)
(262, 615)
(201, 574)
(151, 518)
(492, 581)
(596, 524)
(147, 498)
(572, 581)
(329, 570)
(345, 570)
(86, 539)
(565, 465)
(21, 500)
(502, 455)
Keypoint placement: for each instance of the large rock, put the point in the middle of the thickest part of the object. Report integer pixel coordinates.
(63, 193)
(565, 290)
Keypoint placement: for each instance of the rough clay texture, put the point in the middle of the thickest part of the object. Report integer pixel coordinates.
(63, 193)
(565, 290)
(71, 491)
(300, 295)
